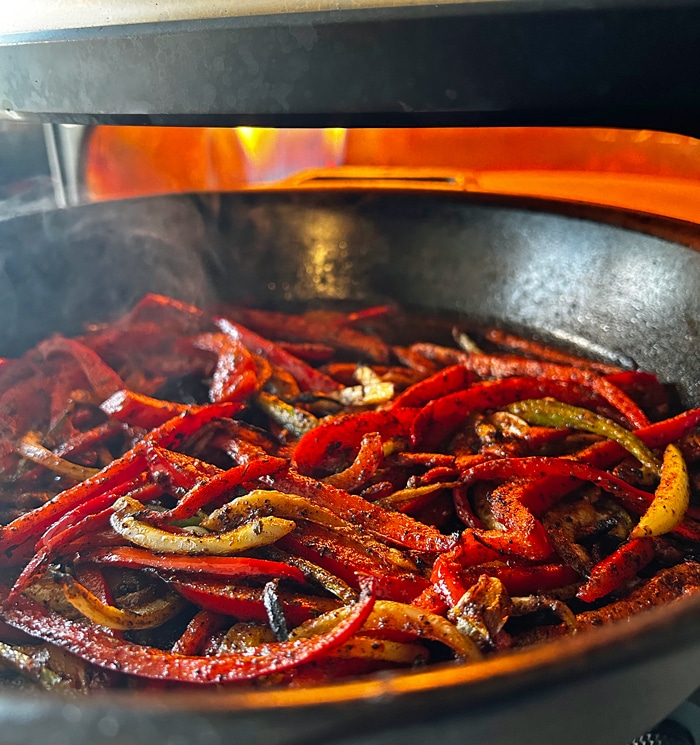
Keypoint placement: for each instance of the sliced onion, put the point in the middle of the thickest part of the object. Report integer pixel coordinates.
(392, 616)
(259, 532)
(149, 616)
(30, 447)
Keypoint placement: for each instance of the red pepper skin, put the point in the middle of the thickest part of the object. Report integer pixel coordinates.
(94, 646)
(539, 493)
(209, 491)
(513, 343)
(326, 328)
(368, 459)
(430, 600)
(446, 381)
(322, 448)
(214, 566)
(147, 412)
(503, 366)
(42, 558)
(198, 632)
(307, 377)
(177, 472)
(79, 442)
(34, 523)
(524, 580)
(393, 527)
(235, 377)
(138, 488)
(617, 569)
(308, 351)
(535, 467)
(331, 552)
(446, 576)
(524, 534)
(139, 410)
(437, 420)
(246, 603)
(102, 379)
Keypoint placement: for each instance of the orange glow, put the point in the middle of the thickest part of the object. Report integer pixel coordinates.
(651, 172)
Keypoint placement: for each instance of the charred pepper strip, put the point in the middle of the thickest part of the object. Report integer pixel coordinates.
(248, 603)
(101, 377)
(222, 566)
(198, 632)
(540, 494)
(538, 466)
(235, 377)
(493, 366)
(394, 527)
(514, 343)
(617, 569)
(305, 375)
(98, 648)
(365, 465)
(212, 489)
(524, 580)
(443, 382)
(321, 448)
(437, 420)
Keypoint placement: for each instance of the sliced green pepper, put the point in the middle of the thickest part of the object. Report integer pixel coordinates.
(547, 412)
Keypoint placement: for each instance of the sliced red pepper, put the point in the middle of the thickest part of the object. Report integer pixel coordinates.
(34, 523)
(79, 442)
(524, 580)
(141, 411)
(324, 327)
(343, 559)
(534, 467)
(101, 377)
(138, 488)
(212, 489)
(537, 494)
(431, 601)
(308, 351)
(502, 366)
(445, 381)
(394, 527)
(617, 569)
(524, 535)
(365, 465)
(335, 441)
(94, 646)
(198, 632)
(247, 603)
(177, 472)
(42, 558)
(514, 343)
(307, 377)
(437, 420)
(235, 377)
(222, 566)
(446, 575)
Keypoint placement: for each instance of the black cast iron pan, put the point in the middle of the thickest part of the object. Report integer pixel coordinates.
(609, 291)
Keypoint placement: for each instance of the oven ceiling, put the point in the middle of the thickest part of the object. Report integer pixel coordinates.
(354, 63)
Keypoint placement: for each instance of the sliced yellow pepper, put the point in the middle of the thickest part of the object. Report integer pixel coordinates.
(671, 497)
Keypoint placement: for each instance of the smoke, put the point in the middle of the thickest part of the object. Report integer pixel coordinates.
(61, 269)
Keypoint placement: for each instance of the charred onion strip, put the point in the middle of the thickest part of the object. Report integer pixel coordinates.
(261, 532)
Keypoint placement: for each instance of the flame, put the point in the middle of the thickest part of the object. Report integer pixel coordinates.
(645, 171)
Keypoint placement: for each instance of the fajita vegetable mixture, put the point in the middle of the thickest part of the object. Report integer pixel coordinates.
(245, 497)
